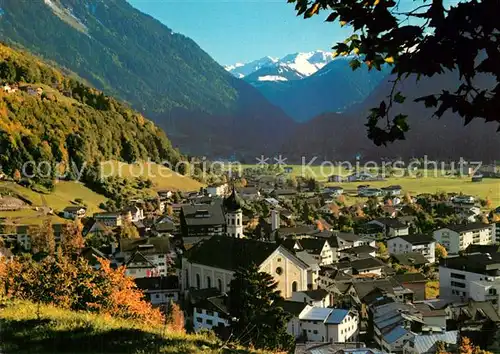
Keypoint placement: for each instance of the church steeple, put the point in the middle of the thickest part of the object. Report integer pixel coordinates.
(234, 214)
(233, 202)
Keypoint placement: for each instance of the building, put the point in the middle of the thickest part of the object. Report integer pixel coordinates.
(485, 290)
(419, 243)
(392, 191)
(133, 213)
(249, 193)
(391, 227)
(212, 263)
(145, 257)
(202, 220)
(456, 274)
(349, 240)
(315, 298)
(456, 238)
(111, 219)
(219, 190)
(320, 249)
(74, 212)
(234, 215)
(209, 309)
(320, 324)
(160, 290)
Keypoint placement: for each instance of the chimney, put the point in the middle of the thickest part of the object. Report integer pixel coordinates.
(275, 220)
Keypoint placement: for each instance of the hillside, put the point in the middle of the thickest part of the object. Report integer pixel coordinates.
(62, 331)
(332, 89)
(134, 57)
(344, 135)
(67, 122)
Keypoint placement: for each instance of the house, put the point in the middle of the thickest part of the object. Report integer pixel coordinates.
(165, 227)
(99, 231)
(320, 249)
(415, 259)
(361, 176)
(283, 193)
(335, 178)
(477, 177)
(392, 191)
(74, 212)
(329, 325)
(294, 309)
(219, 190)
(9, 89)
(111, 219)
(370, 192)
(391, 227)
(133, 214)
(92, 255)
(212, 263)
(160, 290)
(456, 238)
(202, 220)
(368, 265)
(349, 240)
(416, 282)
(249, 193)
(362, 251)
(418, 243)
(209, 309)
(456, 274)
(145, 257)
(316, 298)
(272, 202)
(463, 199)
(334, 191)
(165, 194)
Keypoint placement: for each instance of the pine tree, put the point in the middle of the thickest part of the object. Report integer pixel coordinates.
(252, 303)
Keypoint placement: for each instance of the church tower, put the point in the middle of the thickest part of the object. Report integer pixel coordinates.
(234, 215)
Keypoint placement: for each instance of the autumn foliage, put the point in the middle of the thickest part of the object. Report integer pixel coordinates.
(75, 285)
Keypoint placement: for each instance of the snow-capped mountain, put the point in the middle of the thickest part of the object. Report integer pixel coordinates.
(241, 70)
(291, 67)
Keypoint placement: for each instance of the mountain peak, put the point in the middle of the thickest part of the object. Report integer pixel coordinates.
(297, 65)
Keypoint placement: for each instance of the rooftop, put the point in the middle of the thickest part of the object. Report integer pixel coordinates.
(473, 226)
(417, 239)
(197, 215)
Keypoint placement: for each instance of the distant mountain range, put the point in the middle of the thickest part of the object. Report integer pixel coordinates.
(305, 85)
(291, 67)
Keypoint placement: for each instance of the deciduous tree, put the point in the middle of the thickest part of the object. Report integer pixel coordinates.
(440, 252)
(42, 238)
(72, 241)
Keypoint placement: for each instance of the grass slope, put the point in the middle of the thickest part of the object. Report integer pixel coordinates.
(62, 196)
(162, 177)
(62, 331)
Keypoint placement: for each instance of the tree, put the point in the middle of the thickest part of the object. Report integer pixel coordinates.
(334, 208)
(42, 238)
(72, 241)
(341, 199)
(128, 230)
(441, 348)
(252, 303)
(440, 252)
(462, 38)
(382, 249)
(175, 319)
(243, 182)
(16, 175)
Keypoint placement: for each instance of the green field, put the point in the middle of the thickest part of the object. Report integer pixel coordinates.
(488, 188)
(162, 177)
(63, 195)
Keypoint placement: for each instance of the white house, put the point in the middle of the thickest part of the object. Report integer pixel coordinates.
(145, 257)
(218, 190)
(485, 290)
(423, 244)
(74, 212)
(315, 298)
(111, 219)
(209, 309)
(329, 325)
(456, 238)
(460, 275)
(160, 290)
(134, 213)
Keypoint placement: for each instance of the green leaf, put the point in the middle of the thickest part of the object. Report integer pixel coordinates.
(399, 98)
(354, 64)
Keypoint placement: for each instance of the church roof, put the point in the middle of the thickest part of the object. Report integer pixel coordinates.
(233, 202)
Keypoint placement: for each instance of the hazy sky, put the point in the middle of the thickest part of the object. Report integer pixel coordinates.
(243, 30)
(240, 31)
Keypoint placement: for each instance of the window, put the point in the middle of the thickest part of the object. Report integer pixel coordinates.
(157, 296)
(209, 313)
(294, 286)
(278, 260)
(209, 282)
(457, 276)
(219, 285)
(199, 319)
(198, 281)
(279, 270)
(457, 284)
(222, 324)
(315, 332)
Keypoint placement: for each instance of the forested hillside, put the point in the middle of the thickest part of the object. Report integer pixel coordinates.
(162, 74)
(66, 120)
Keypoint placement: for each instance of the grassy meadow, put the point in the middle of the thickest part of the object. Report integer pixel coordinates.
(162, 177)
(27, 328)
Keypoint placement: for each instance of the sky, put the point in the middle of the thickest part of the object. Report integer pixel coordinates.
(234, 31)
